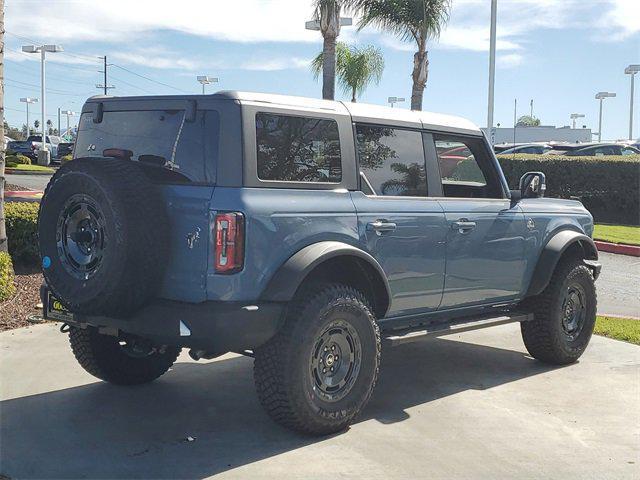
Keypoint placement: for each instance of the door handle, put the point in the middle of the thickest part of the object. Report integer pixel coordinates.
(463, 226)
(381, 226)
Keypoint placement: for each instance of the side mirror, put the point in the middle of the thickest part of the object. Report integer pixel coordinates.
(533, 185)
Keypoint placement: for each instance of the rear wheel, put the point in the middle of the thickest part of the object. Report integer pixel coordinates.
(122, 361)
(318, 372)
(564, 315)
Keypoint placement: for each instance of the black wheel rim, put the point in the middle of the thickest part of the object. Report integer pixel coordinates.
(574, 311)
(80, 236)
(335, 361)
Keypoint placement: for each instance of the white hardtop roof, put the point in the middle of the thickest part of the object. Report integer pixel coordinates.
(362, 112)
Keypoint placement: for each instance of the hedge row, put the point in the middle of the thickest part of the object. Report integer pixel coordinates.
(22, 231)
(7, 287)
(609, 187)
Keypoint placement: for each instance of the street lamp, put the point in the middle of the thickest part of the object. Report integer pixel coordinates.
(102, 86)
(68, 113)
(601, 96)
(206, 80)
(28, 100)
(574, 116)
(43, 50)
(631, 70)
(315, 24)
(492, 65)
(393, 100)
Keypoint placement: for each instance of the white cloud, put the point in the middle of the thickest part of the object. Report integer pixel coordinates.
(274, 64)
(155, 58)
(510, 60)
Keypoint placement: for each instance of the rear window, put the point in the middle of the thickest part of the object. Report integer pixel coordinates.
(155, 137)
(297, 149)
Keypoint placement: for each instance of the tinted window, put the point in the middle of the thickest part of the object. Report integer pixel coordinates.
(391, 161)
(466, 168)
(628, 151)
(297, 149)
(157, 137)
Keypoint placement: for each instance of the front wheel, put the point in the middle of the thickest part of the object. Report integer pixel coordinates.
(564, 315)
(120, 361)
(319, 371)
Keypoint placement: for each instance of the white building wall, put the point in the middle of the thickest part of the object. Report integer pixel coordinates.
(540, 134)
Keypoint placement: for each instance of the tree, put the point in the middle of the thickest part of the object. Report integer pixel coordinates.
(327, 13)
(36, 124)
(528, 121)
(356, 67)
(49, 127)
(411, 20)
(3, 229)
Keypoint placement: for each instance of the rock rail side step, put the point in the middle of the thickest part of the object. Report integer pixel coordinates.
(441, 328)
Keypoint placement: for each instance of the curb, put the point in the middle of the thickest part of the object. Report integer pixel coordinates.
(12, 171)
(618, 248)
(23, 195)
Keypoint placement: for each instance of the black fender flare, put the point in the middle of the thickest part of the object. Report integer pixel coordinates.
(285, 282)
(551, 254)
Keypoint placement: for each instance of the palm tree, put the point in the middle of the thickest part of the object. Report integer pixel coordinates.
(327, 13)
(411, 20)
(356, 67)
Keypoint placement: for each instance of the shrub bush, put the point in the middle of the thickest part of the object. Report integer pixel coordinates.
(18, 159)
(10, 164)
(22, 231)
(609, 187)
(7, 287)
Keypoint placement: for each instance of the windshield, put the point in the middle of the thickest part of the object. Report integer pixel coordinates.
(160, 138)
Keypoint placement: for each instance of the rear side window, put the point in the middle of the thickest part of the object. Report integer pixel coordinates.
(156, 137)
(297, 149)
(391, 161)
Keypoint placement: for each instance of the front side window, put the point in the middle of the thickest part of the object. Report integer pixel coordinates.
(391, 161)
(297, 149)
(465, 168)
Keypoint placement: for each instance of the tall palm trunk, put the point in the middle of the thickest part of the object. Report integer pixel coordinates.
(419, 76)
(3, 229)
(354, 95)
(329, 67)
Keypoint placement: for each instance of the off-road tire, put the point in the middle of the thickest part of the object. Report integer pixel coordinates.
(282, 374)
(545, 337)
(133, 226)
(103, 357)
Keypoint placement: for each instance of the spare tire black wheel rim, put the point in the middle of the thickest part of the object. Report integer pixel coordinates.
(80, 236)
(335, 361)
(574, 308)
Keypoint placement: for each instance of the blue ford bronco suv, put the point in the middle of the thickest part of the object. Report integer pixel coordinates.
(306, 234)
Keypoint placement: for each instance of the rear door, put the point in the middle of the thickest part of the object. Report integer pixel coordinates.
(401, 226)
(485, 253)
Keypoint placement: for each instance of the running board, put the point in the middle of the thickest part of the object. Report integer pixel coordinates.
(450, 327)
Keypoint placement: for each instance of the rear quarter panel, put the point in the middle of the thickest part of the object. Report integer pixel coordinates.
(279, 222)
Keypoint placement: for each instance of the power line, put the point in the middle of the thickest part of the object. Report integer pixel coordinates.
(148, 78)
(131, 84)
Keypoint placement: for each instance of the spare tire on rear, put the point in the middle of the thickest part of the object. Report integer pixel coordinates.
(103, 236)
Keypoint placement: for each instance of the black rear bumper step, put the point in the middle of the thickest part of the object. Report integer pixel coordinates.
(441, 328)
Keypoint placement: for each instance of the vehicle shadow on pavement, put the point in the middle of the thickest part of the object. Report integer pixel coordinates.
(103, 431)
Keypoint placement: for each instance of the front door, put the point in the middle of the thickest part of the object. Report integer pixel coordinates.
(400, 225)
(485, 253)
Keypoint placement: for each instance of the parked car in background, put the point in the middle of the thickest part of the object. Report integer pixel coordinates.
(603, 149)
(529, 148)
(33, 143)
(65, 148)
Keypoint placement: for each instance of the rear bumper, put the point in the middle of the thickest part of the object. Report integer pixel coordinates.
(211, 326)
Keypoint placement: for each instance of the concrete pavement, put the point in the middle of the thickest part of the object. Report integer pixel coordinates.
(468, 406)
(32, 182)
(619, 285)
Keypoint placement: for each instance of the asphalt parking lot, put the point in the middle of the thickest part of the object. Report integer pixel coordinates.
(468, 406)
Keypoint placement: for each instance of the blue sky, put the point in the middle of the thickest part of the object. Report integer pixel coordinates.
(559, 53)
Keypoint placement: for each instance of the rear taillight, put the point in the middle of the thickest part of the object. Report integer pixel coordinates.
(229, 246)
(33, 147)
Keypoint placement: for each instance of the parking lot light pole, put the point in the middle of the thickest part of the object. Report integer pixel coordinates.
(28, 100)
(42, 50)
(573, 118)
(492, 63)
(601, 96)
(393, 100)
(206, 80)
(631, 70)
(68, 113)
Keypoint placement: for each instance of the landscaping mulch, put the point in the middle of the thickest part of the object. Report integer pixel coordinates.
(10, 187)
(14, 312)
